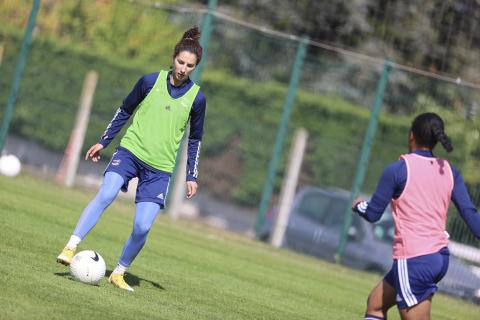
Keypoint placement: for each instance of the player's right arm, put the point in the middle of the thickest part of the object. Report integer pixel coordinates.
(123, 113)
(390, 186)
(94, 152)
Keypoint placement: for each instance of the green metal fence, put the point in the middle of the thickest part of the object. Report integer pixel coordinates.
(356, 108)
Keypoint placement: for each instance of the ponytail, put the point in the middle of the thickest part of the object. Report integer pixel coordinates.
(190, 43)
(442, 137)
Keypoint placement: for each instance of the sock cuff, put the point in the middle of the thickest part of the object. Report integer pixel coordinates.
(74, 241)
(370, 317)
(120, 269)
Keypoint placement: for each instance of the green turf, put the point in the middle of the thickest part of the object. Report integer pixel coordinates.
(186, 270)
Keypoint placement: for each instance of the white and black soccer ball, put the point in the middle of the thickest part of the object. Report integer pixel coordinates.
(88, 267)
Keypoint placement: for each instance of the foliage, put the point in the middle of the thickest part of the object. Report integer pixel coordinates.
(110, 28)
(242, 120)
(440, 37)
(246, 79)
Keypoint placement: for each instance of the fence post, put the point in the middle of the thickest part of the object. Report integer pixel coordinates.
(281, 132)
(179, 176)
(27, 39)
(364, 155)
(289, 186)
(206, 35)
(2, 52)
(69, 165)
(470, 141)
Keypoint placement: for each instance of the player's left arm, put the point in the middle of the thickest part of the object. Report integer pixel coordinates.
(197, 119)
(463, 203)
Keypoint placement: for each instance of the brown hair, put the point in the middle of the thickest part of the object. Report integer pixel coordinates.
(189, 42)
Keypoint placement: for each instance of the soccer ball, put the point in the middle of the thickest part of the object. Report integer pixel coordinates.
(88, 267)
(10, 165)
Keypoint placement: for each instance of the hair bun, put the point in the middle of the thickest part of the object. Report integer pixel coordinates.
(192, 34)
(190, 43)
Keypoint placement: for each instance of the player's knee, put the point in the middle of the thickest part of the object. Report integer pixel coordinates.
(373, 306)
(369, 300)
(106, 196)
(140, 230)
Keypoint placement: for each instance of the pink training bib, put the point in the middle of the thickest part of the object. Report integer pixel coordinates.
(420, 213)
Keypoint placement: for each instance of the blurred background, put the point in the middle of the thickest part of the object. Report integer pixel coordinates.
(271, 67)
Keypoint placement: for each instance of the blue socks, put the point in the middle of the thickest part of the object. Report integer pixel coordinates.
(145, 214)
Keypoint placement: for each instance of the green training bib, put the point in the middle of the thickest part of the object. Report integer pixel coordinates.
(158, 125)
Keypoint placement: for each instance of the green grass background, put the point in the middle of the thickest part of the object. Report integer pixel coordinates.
(186, 270)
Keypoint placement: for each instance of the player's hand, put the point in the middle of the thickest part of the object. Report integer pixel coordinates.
(94, 152)
(191, 189)
(355, 202)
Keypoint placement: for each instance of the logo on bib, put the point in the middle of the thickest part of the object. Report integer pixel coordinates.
(167, 107)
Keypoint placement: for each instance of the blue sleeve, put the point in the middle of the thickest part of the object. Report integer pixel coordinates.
(464, 205)
(130, 103)
(390, 186)
(197, 119)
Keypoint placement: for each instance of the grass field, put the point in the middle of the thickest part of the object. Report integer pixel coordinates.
(186, 270)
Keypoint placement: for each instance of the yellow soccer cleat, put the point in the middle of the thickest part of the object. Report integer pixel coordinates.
(117, 280)
(65, 257)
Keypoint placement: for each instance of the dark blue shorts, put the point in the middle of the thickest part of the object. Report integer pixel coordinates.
(152, 183)
(415, 279)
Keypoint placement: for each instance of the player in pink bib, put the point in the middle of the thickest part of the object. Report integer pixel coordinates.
(419, 187)
(420, 213)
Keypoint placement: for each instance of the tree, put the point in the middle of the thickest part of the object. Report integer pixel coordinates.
(441, 36)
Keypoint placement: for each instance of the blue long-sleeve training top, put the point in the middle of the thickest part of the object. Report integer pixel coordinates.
(392, 183)
(136, 96)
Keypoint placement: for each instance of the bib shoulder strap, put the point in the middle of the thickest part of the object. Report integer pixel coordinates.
(193, 91)
(161, 82)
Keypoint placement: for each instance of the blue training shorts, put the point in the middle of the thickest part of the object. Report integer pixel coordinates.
(415, 279)
(152, 183)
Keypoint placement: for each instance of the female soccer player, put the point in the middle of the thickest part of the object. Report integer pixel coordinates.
(420, 187)
(166, 102)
